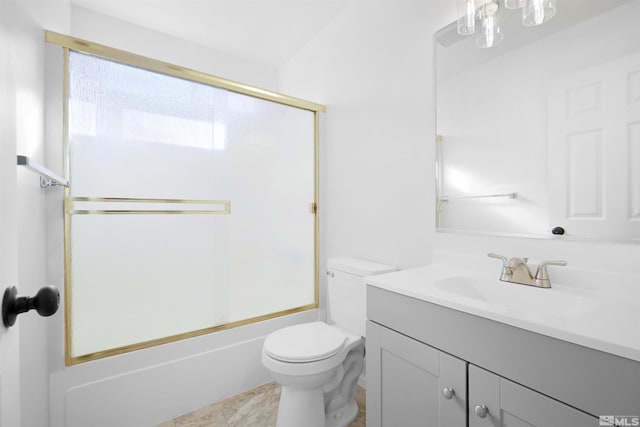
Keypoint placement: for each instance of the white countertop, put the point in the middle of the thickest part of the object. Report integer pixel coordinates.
(599, 320)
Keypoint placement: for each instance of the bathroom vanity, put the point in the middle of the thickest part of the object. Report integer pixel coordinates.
(446, 347)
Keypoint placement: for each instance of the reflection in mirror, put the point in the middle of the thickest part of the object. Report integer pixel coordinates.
(543, 130)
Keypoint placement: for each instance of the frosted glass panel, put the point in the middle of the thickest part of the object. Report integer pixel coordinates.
(135, 133)
(189, 206)
(132, 281)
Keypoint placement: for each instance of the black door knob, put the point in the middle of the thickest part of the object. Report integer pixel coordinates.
(45, 302)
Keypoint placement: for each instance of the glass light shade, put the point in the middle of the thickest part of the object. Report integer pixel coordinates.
(536, 12)
(489, 33)
(466, 17)
(514, 4)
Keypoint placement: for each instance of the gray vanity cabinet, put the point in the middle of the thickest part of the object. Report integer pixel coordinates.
(412, 384)
(496, 402)
(417, 349)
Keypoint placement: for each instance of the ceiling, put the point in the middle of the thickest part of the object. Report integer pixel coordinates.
(268, 32)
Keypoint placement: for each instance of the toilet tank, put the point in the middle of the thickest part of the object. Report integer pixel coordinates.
(346, 299)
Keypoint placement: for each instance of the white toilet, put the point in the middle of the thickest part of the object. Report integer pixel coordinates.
(318, 364)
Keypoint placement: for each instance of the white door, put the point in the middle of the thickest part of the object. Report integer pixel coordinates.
(594, 150)
(9, 344)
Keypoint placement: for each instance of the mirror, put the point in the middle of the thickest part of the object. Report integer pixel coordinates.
(541, 133)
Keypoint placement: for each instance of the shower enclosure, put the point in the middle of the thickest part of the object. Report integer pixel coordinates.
(191, 206)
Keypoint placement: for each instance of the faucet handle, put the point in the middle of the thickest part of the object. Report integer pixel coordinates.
(503, 258)
(504, 274)
(542, 277)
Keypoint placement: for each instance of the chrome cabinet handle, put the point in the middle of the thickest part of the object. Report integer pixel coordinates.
(481, 411)
(448, 393)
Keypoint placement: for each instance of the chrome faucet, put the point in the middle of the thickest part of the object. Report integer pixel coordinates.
(516, 270)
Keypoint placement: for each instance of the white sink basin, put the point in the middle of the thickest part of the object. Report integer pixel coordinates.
(513, 297)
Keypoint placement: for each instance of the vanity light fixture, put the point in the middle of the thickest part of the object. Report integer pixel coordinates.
(536, 12)
(490, 33)
(466, 17)
(482, 17)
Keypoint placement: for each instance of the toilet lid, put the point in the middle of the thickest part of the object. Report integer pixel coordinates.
(304, 343)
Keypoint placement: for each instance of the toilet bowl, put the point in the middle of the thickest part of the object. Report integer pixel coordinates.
(318, 364)
(317, 386)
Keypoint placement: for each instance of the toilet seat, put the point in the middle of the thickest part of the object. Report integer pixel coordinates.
(307, 342)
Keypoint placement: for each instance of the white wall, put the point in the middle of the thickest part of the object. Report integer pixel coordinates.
(98, 28)
(372, 67)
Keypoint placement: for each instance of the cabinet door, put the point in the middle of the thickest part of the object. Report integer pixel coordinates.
(406, 380)
(511, 405)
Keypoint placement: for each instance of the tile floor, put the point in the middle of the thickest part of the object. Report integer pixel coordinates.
(254, 408)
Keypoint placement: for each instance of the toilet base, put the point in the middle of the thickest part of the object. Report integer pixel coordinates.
(305, 408)
(301, 408)
(342, 417)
